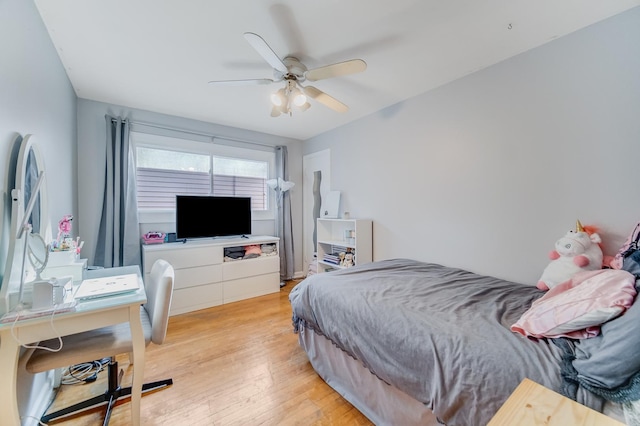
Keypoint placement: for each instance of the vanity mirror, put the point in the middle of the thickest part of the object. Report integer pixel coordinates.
(38, 253)
(29, 216)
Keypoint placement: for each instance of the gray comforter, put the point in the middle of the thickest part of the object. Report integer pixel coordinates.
(439, 334)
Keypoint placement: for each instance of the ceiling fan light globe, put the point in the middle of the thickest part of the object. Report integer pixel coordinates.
(299, 99)
(276, 99)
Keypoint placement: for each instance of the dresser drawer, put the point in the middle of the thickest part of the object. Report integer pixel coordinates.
(192, 277)
(195, 298)
(186, 257)
(250, 267)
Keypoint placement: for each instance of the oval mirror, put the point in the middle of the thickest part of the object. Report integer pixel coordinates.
(38, 253)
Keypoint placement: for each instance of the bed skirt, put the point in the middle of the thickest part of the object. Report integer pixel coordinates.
(381, 403)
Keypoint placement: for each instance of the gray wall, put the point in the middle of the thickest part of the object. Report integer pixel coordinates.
(37, 98)
(487, 172)
(91, 148)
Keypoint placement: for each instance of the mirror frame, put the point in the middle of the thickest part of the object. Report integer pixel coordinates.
(5, 213)
(13, 266)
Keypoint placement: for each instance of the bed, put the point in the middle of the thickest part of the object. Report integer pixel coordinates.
(409, 342)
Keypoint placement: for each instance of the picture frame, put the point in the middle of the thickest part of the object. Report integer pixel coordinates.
(331, 205)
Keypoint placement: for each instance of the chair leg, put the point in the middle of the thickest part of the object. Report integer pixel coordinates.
(114, 383)
(110, 397)
(148, 387)
(113, 386)
(110, 404)
(75, 408)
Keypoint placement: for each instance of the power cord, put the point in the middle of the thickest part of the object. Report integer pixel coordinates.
(86, 372)
(37, 346)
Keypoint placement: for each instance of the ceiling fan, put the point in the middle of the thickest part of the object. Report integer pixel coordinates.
(294, 73)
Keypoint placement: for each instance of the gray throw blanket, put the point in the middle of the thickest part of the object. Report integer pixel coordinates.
(571, 380)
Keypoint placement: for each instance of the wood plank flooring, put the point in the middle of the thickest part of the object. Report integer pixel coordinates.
(235, 364)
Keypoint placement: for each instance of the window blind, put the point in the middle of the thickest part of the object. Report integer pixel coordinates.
(157, 188)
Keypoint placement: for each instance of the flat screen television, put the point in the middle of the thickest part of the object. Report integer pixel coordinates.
(211, 216)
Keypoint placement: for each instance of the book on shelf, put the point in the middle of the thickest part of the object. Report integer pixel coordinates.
(334, 257)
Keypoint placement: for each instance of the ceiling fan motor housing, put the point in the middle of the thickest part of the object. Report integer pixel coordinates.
(296, 70)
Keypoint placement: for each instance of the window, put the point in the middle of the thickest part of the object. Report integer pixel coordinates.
(161, 174)
(166, 167)
(241, 178)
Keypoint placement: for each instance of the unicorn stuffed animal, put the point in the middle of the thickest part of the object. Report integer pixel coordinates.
(576, 251)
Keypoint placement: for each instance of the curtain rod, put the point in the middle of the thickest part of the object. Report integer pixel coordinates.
(191, 132)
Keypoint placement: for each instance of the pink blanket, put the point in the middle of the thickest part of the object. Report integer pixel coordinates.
(577, 307)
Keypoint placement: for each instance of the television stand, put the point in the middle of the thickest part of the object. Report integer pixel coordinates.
(205, 278)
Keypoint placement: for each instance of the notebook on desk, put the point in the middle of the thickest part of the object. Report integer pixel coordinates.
(107, 286)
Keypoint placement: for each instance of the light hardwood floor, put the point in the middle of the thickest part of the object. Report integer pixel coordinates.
(235, 364)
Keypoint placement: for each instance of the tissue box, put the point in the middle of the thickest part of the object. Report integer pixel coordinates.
(73, 269)
(61, 258)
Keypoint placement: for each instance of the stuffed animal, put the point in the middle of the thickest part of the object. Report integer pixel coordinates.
(64, 227)
(576, 251)
(348, 260)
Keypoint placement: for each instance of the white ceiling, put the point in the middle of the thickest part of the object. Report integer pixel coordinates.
(158, 55)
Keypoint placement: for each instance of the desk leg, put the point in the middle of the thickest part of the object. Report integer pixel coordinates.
(9, 354)
(137, 336)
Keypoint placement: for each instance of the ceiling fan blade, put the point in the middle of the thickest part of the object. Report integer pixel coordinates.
(336, 70)
(325, 99)
(257, 81)
(266, 52)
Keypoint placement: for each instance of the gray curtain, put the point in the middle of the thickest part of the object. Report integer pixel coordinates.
(284, 227)
(118, 239)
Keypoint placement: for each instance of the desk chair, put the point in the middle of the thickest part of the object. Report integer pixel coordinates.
(109, 342)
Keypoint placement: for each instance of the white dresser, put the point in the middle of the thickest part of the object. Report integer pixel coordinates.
(205, 278)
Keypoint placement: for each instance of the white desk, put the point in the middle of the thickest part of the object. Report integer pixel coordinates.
(88, 315)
